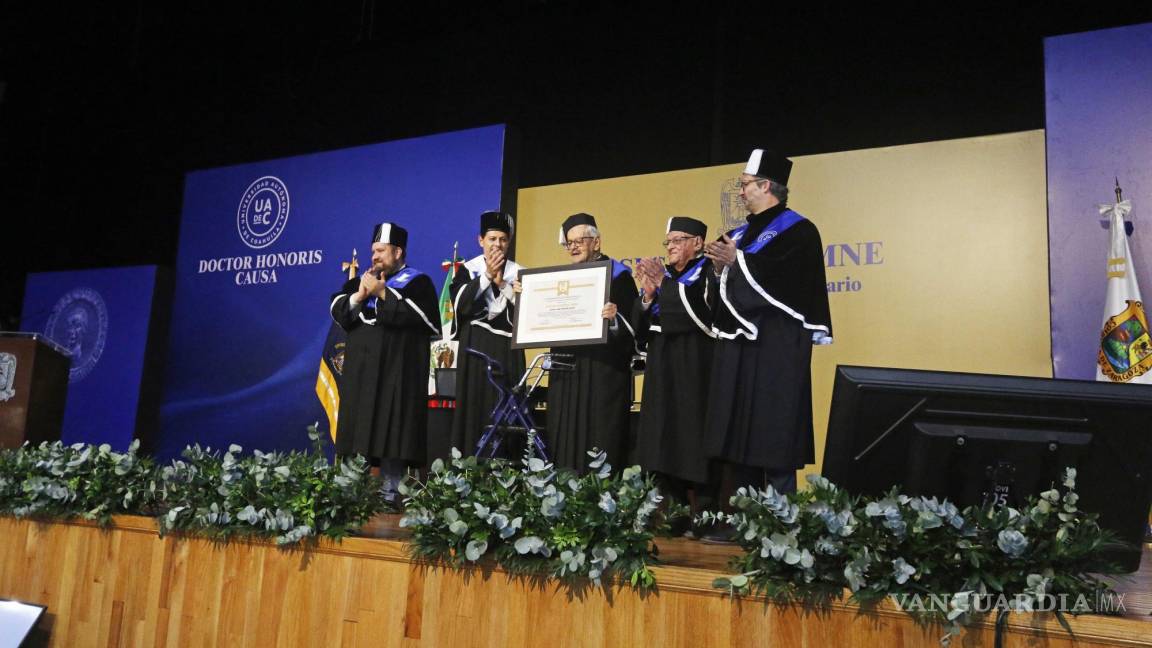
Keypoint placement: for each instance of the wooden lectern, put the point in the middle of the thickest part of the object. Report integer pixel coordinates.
(33, 388)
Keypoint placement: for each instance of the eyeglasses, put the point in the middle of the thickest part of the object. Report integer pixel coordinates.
(580, 242)
(743, 184)
(679, 240)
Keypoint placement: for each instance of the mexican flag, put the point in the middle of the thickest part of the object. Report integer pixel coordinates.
(450, 266)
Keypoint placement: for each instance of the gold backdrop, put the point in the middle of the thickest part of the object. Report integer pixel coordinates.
(937, 253)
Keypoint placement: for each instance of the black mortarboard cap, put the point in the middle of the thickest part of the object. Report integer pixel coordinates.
(766, 163)
(496, 220)
(390, 233)
(573, 221)
(687, 225)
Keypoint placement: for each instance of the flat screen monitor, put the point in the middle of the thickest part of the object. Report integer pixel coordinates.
(974, 438)
(17, 621)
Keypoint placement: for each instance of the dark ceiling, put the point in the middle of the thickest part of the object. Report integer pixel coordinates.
(102, 110)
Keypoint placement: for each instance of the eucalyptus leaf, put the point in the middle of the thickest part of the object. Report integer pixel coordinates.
(529, 544)
(475, 549)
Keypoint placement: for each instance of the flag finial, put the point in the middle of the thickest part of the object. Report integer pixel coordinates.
(353, 266)
(1119, 191)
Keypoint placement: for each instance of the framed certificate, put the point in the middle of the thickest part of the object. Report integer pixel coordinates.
(561, 305)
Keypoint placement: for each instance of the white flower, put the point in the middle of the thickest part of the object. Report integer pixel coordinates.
(884, 507)
(778, 545)
(960, 604)
(828, 546)
(607, 504)
(552, 505)
(1038, 584)
(1012, 542)
(902, 571)
(821, 482)
(855, 571)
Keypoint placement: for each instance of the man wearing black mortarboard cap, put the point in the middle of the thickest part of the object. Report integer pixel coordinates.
(674, 318)
(483, 305)
(773, 308)
(390, 314)
(588, 407)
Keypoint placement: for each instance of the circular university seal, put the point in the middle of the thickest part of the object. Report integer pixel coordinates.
(79, 323)
(263, 212)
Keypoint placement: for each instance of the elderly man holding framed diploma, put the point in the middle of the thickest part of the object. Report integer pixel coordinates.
(582, 308)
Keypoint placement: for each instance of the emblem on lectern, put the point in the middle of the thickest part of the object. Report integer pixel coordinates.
(7, 376)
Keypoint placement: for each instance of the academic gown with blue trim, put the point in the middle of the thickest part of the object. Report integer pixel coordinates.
(677, 329)
(773, 307)
(384, 387)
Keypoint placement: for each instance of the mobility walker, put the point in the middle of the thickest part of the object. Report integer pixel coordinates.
(514, 403)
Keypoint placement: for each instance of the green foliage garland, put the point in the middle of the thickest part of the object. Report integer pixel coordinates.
(53, 480)
(289, 497)
(811, 545)
(530, 518)
(534, 519)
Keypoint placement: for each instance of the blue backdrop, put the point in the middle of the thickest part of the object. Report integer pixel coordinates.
(1099, 128)
(260, 255)
(102, 317)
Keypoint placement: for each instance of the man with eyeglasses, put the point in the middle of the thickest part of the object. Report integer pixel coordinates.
(483, 302)
(390, 315)
(773, 308)
(674, 317)
(588, 406)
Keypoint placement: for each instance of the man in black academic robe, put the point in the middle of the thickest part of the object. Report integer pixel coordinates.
(773, 307)
(674, 318)
(588, 407)
(390, 314)
(483, 303)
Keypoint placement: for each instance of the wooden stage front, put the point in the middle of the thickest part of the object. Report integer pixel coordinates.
(125, 586)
